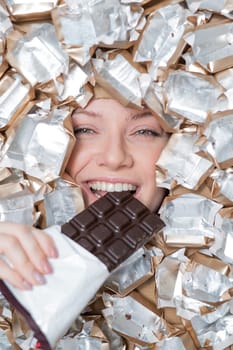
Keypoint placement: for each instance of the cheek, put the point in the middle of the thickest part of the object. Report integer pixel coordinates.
(76, 161)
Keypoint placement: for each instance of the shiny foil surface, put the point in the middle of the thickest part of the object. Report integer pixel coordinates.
(176, 58)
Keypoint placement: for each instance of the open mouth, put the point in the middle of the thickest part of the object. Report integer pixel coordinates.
(100, 188)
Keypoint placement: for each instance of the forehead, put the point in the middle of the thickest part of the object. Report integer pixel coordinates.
(110, 107)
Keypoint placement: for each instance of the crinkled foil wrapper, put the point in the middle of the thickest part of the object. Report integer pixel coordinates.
(175, 57)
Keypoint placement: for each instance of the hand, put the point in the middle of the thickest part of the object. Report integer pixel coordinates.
(27, 249)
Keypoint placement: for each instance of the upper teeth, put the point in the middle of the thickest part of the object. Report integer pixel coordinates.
(112, 187)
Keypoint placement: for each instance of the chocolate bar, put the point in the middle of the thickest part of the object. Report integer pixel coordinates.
(113, 227)
(94, 242)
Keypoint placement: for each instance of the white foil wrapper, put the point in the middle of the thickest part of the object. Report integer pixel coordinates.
(214, 55)
(162, 37)
(83, 24)
(190, 220)
(193, 96)
(12, 86)
(120, 76)
(129, 317)
(77, 270)
(39, 144)
(179, 162)
(63, 203)
(39, 56)
(132, 271)
(219, 134)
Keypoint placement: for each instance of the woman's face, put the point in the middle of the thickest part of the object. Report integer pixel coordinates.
(116, 150)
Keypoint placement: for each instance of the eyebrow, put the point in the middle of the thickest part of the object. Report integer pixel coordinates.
(89, 113)
(145, 113)
(141, 114)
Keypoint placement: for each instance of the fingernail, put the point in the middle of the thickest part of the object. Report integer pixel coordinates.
(53, 253)
(26, 285)
(46, 267)
(38, 277)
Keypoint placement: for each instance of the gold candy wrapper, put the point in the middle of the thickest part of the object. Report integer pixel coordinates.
(175, 57)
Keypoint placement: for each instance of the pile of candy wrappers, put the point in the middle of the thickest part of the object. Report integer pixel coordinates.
(177, 58)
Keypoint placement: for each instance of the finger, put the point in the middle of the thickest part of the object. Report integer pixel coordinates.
(13, 277)
(46, 243)
(37, 245)
(18, 258)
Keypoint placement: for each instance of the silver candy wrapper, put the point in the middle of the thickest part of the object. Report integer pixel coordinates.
(162, 38)
(166, 278)
(205, 284)
(180, 163)
(129, 317)
(190, 221)
(192, 96)
(83, 24)
(154, 101)
(214, 55)
(224, 78)
(223, 244)
(223, 7)
(18, 207)
(74, 86)
(224, 180)
(35, 9)
(217, 332)
(174, 343)
(62, 203)
(4, 341)
(136, 268)
(12, 85)
(218, 143)
(38, 55)
(30, 150)
(120, 76)
(176, 59)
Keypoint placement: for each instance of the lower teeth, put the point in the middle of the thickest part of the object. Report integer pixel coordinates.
(97, 194)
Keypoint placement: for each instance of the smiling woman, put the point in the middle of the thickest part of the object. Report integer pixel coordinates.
(116, 150)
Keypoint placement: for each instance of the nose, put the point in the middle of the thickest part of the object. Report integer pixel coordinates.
(115, 154)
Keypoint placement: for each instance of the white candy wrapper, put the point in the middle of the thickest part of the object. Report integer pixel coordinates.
(77, 275)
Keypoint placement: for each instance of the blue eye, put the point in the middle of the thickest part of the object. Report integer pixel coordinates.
(148, 132)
